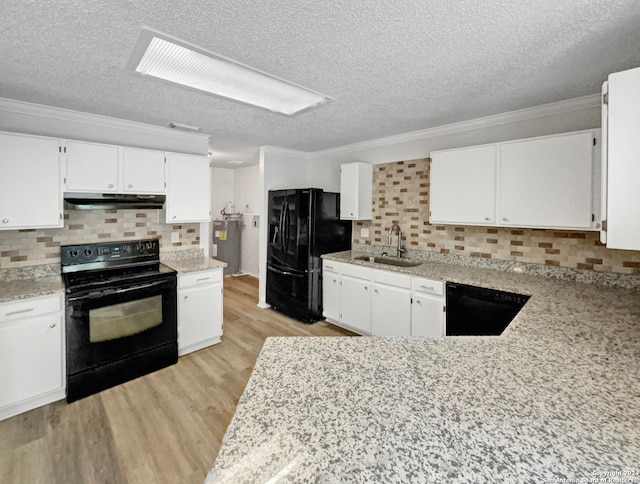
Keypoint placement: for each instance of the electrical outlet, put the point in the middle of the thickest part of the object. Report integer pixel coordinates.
(364, 232)
(175, 237)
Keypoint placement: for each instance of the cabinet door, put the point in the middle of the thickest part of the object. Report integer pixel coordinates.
(91, 167)
(199, 316)
(622, 161)
(30, 191)
(391, 311)
(355, 304)
(463, 186)
(142, 171)
(30, 358)
(427, 316)
(547, 182)
(356, 191)
(330, 296)
(188, 188)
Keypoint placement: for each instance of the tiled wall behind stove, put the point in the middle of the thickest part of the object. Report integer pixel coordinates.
(21, 248)
(401, 195)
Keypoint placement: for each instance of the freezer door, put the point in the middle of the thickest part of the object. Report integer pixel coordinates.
(296, 230)
(289, 292)
(276, 216)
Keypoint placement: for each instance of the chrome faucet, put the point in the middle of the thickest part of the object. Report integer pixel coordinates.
(399, 249)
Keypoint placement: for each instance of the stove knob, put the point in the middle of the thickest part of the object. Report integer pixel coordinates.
(149, 245)
(88, 252)
(73, 253)
(139, 246)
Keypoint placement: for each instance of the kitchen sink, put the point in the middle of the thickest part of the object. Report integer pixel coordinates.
(389, 261)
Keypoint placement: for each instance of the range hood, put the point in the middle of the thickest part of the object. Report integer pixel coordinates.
(101, 201)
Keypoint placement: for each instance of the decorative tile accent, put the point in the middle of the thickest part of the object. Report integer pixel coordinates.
(24, 248)
(401, 195)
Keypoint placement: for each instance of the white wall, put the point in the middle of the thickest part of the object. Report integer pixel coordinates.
(248, 200)
(222, 189)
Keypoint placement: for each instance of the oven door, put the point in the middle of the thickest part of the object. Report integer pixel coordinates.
(111, 324)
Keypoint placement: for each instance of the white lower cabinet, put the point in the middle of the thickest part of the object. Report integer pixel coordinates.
(382, 303)
(199, 310)
(391, 307)
(355, 298)
(427, 309)
(330, 291)
(32, 370)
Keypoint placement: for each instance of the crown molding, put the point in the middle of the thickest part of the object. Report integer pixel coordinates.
(307, 155)
(68, 115)
(561, 107)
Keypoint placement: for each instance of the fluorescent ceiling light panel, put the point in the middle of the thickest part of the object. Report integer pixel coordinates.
(173, 60)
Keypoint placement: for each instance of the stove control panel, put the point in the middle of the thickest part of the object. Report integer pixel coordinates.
(73, 255)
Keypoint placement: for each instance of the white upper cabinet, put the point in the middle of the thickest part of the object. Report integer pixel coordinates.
(188, 188)
(356, 191)
(99, 168)
(30, 190)
(463, 186)
(91, 167)
(621, 160)
(547, 182)
(142, 171)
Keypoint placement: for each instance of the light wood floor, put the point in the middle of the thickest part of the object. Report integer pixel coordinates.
(162, 428)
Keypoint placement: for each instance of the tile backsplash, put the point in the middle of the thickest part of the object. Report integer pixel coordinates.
(401, 195)
(23, 248)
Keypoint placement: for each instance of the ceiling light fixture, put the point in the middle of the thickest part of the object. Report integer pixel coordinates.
(235, 162)
(173, 60)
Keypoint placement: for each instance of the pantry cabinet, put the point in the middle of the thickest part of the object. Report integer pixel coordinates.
(621, 160)
(545, 182)
(356, 185)
(199, 310)
(188, 188)
(30, 186)
(31, 354)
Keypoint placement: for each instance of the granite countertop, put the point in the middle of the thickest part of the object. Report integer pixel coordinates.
(555, 397)
(195, 264)
(33, 287)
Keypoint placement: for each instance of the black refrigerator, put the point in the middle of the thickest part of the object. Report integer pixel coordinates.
(303, 225)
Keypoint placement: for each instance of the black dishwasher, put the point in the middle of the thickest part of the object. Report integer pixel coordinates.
(478, 311)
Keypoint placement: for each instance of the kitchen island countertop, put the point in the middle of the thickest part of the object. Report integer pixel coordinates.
(557, 396)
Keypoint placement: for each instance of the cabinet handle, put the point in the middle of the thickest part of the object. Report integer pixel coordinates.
(419, 302)
(487, 218)
(129, 185)
(186, 297)
(376, 291)
(203, 279)
(366, 288)
(110, 185)
(52, 325)
(22, 311)
(505, 219)
(5, 220)
(334, 281)
(431, 288)
(329, 267)
(173, 218)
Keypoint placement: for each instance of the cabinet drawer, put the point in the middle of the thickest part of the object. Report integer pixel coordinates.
(330, 265)
(27, 308)
(355, 271)
(392, 278)
(202, 277)
(428, 286)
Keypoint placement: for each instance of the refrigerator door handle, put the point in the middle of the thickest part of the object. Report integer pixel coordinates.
(285, 273)
(286, 228)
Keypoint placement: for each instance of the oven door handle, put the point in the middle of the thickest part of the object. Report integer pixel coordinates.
(108, 292)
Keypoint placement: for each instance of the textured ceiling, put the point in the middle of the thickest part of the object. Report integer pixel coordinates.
(392, 66)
